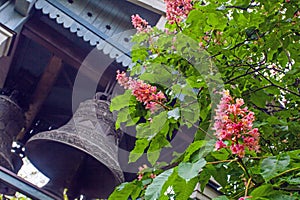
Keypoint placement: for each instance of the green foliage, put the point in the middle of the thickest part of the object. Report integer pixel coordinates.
(248, 47)
(263, 191)
(271, 166)
(120, 101)
(123, 191)
(188, 171)
(153, 191)
(267, 192)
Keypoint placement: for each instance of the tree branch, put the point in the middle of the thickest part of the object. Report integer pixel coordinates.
(243, 75)
(278, 86)
(287, 171)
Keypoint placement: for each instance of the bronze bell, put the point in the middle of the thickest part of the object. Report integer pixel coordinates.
(11, 122)
(82, 155)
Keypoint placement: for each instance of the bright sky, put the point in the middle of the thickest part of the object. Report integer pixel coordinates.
(31, 174)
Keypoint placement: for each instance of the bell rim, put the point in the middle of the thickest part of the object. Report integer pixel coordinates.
(119, 177)
(10, 101)
(5, 162)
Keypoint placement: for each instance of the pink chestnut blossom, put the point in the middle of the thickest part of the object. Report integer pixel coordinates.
(220, 144)
(152, 175)
(238, 149)
(234, 125)
(144, 93)
(140, 177)
(140, 24)
(177, 10)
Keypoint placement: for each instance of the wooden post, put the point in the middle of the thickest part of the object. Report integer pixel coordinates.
(42, 91)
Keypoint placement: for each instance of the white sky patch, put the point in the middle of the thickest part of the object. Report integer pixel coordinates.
(31, 174)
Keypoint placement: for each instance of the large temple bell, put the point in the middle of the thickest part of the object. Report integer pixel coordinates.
(11, 122)
(80, 156)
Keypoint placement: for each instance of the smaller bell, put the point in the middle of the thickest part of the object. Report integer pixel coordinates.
(12, 120)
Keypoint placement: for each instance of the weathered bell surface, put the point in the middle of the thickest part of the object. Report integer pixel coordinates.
(81, 155)
(11, 122)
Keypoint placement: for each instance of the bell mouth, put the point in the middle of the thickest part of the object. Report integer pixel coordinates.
(72, 168)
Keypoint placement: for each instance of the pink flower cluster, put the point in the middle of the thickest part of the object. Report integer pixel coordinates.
(142, 171)
(143, 92)
(177, 10)
(140, 24)
(233, 126)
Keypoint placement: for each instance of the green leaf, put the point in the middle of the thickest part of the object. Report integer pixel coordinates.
(295, 158)
(136, 192)
(172, 181)
(220, 174)
(124, 116)
(282, 197)
(260, 98)
(212, 19)
(123, 191)
(156, 145)
(294, 181)
(196, 145)
(184, 189)
(153, 191)
(190, 111)
(121, 101)
(273, 120)
(158, 122)
(204, 112)
(143, 131)
(204, 178)
(263, 191)
(221, 154)
(149, 130)
(271, 166)
(139, 148)
(188, 171)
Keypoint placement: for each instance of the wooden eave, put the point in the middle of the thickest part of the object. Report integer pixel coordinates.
(98, 26)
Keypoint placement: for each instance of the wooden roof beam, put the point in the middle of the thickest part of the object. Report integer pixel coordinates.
(42, 91)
